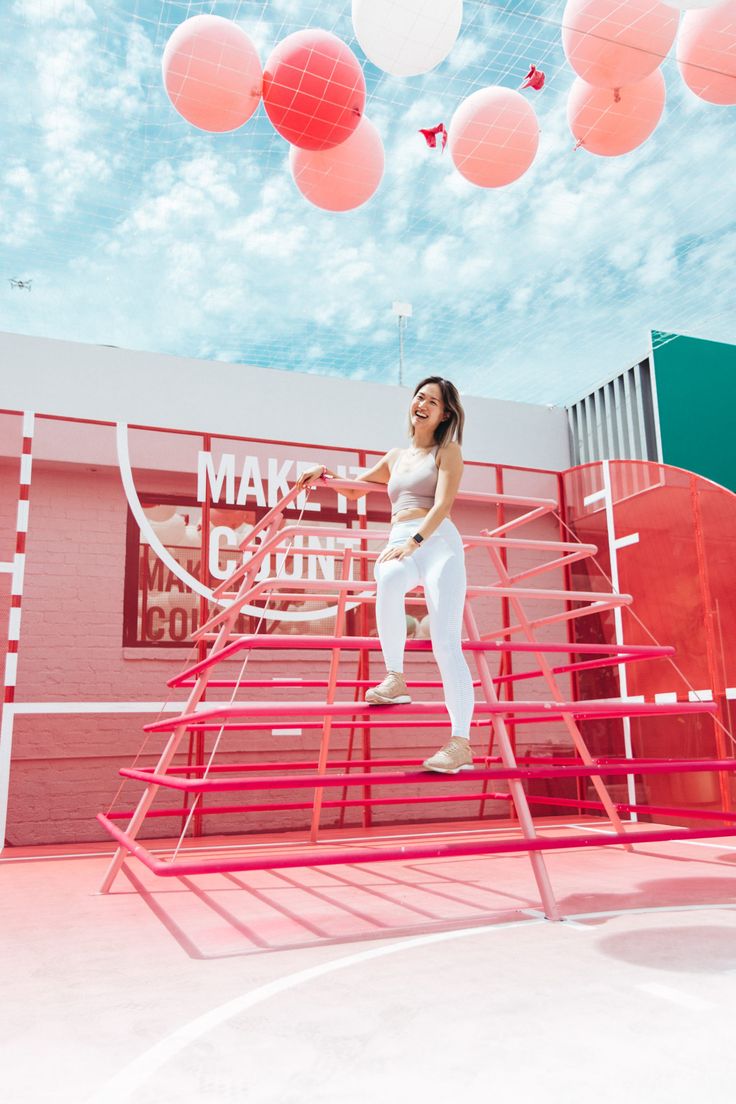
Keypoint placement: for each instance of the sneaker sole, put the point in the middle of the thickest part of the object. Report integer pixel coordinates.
(378, 699)
(445, 770)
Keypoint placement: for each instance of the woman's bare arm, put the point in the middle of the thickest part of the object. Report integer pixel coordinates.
(379, 473)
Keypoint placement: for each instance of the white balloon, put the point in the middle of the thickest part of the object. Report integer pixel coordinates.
(407, 37)
(690, 5)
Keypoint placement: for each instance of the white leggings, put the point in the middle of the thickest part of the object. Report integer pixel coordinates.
(439, 564)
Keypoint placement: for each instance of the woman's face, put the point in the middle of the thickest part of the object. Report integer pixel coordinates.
(427, 409)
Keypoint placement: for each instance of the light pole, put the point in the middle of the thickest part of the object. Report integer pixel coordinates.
(403, 311)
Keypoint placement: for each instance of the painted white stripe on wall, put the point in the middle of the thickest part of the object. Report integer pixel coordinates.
(14, 624)
(700, 695)
(11, 668)
(669, 696)
(731, 693)
(624, 542)
(26, 463)
(102, 707)
(286, 731)
(597, 496)
(22, 522)
(7, 568)
(28, 422)
(19, 568)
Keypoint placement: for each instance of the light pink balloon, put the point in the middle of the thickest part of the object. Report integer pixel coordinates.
(493, 137)
(613, 43)
(344, 177)
(212, 73)
(610, 121)
(706, 53)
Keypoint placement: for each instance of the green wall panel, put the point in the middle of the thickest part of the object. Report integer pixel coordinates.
(696, 397)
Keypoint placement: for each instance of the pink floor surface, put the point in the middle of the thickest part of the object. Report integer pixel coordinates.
(276, 986)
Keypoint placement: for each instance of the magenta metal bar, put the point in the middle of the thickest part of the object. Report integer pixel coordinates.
(425, 778)
(326, 856)
(568, 718)
(343, 803)
(249, 684)
(612, 707)
(311, 764)
(686, 812)
(309, 589)
(371, 643)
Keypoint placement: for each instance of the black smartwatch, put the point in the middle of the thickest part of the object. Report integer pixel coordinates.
(417, 538)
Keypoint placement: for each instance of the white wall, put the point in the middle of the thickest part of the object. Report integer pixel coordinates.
(94, 381)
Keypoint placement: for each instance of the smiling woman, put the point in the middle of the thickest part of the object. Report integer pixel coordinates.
(424, 547)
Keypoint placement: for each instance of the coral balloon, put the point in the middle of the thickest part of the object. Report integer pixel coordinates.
(706, 53)
(159, 513)
(212, 73)
(493, 137)
(342, 178)
(610, 121)
(313, 90)
(613, 43)
(407, 37)
(688, 5)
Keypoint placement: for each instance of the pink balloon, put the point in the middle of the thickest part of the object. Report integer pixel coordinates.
(706, 53)
(344, 177)
(313, 90)
(159, 513)
(610, 121)
(493, 137)
(212, 73)
(613, 43)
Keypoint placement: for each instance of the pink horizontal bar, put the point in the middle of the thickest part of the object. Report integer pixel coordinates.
(400, 778)
(688, 812)
(334, 856)
(311, 764)
(346, 726)
(228, 684)
(279, 709)
(296, 806)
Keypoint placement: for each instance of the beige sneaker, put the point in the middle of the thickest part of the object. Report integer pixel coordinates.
(454, 757)
(392, 691)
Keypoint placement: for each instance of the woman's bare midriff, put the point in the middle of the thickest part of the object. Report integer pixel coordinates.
(408, 515)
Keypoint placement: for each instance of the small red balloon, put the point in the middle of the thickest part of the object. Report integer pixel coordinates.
(313, 90)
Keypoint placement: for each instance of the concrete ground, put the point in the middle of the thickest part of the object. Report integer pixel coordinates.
(432, 980)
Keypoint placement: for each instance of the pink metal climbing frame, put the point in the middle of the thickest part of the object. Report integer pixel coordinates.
(315, 782)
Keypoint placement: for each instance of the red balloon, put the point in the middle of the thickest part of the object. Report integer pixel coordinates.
(343, 178)
(313, 90)
(612, 121)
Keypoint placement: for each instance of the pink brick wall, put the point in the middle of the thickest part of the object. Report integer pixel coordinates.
(64, 767)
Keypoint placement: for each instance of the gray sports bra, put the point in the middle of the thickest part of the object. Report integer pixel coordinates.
(415, 489)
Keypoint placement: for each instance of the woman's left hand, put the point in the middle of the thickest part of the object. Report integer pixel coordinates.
(397, 551)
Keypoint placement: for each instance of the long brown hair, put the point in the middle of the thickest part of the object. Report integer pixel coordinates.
(451, 429)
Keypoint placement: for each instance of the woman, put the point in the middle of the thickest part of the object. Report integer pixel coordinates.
(424, 547)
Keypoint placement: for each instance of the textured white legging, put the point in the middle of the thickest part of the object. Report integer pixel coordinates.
(439, 565)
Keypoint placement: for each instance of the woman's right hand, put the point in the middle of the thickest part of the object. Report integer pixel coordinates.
(309, 476)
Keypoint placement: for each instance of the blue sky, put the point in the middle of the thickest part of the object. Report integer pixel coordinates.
(142, 232)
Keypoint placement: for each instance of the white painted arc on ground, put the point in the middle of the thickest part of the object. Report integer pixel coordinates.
(124, 1084)
(126, 475)
(121, 1087)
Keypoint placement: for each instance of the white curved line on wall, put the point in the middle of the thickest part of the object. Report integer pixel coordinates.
(126, 475)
